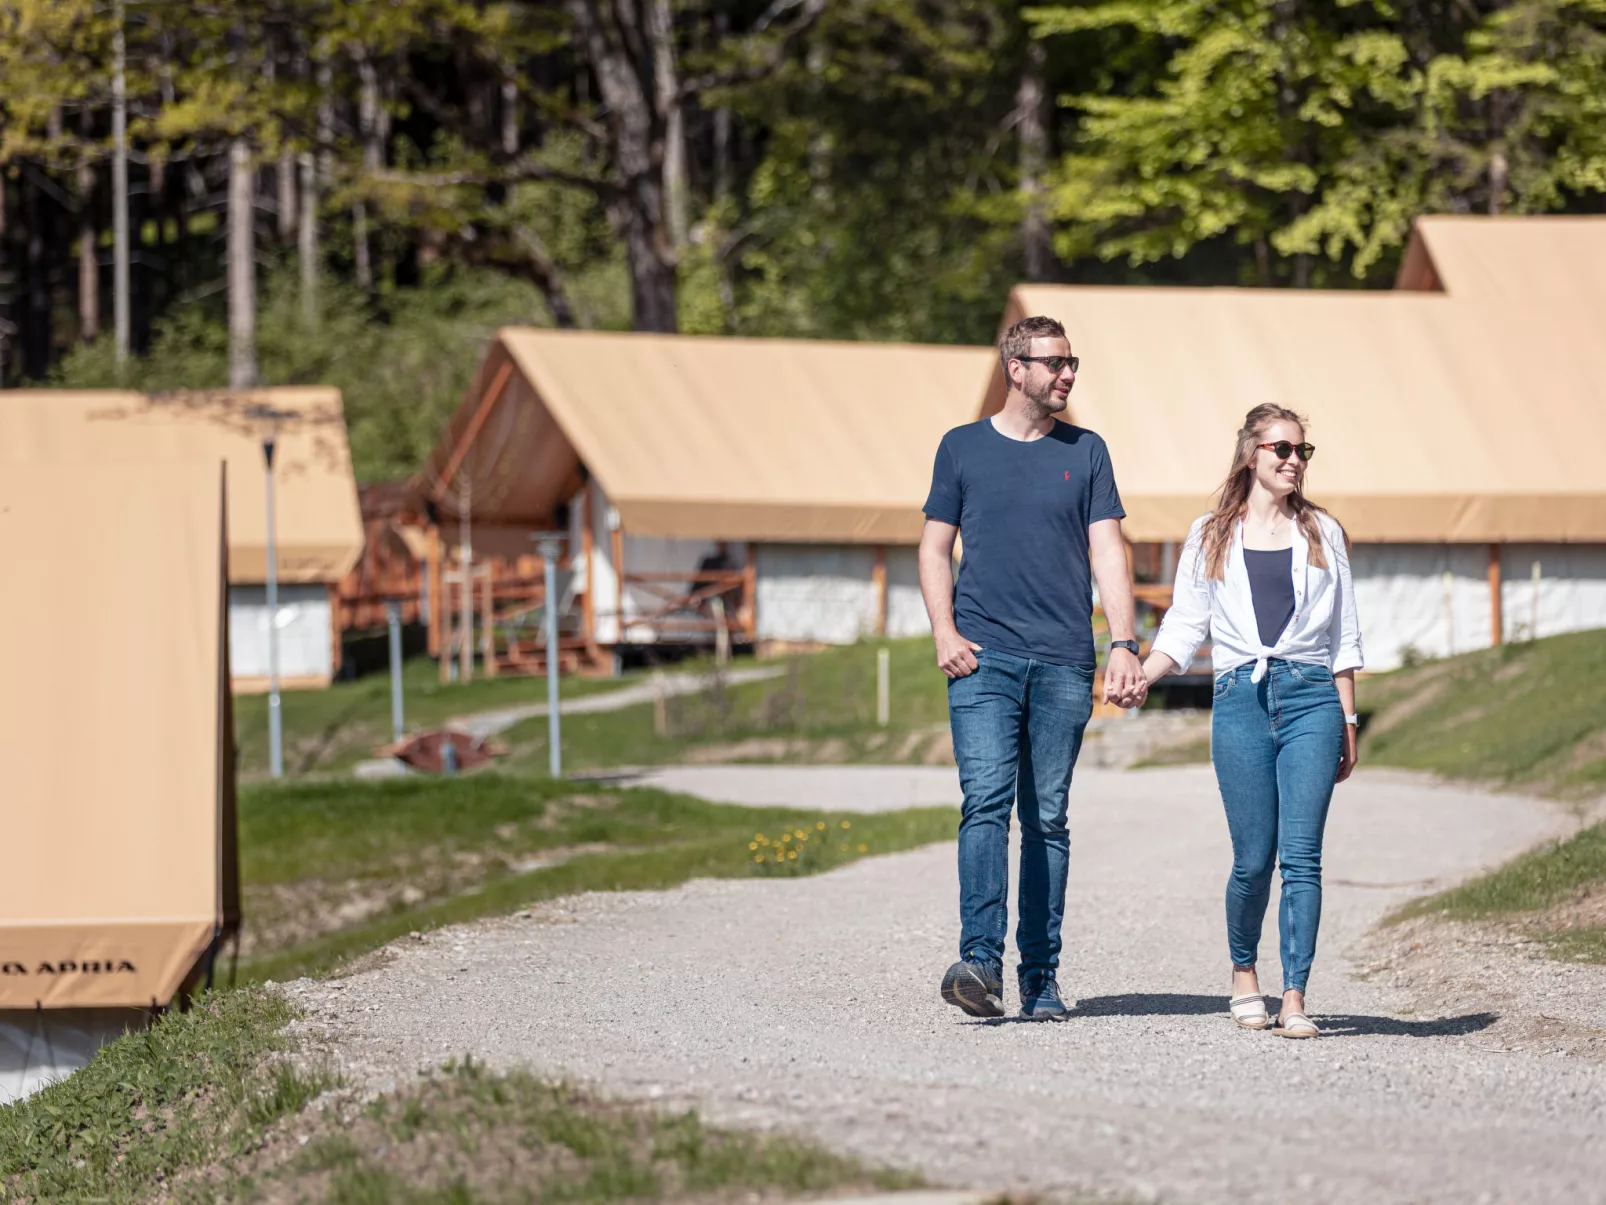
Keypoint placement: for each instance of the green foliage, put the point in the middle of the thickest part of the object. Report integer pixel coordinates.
(402, 363)
(1525, 714)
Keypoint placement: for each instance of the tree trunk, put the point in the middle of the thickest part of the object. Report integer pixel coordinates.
(36, 314)
(368, 124)
(637, 132)
(88, 247)
(286, 180)
(122, 310)
(722, 124)
(510, 117)
(1499, 175)
(307, 239)
(666, 82)
(1031, 117)
(242, 270)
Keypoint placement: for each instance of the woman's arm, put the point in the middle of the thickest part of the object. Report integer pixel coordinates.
(1187, 620)
(1345, 681)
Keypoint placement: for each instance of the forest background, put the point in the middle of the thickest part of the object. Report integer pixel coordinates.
(358, 192)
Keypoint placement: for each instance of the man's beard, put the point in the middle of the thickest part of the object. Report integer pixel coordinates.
(1041, 403)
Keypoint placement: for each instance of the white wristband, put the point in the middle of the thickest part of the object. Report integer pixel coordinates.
(1352, 719)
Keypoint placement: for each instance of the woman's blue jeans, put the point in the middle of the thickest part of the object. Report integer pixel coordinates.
(1017, 727)
(1276, 745)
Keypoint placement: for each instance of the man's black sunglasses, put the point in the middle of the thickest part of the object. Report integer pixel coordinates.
(1282, 449)
(1055, 364)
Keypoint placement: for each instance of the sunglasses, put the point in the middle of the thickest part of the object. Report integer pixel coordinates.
(1054, 364)
(1282, 449)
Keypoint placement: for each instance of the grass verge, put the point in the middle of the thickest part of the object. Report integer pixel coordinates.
(1552, 893)
(1531, 714)
(209, 1105)
(330, 730)
(426, 852)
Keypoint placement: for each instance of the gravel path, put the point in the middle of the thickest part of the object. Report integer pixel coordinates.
(811, 1004)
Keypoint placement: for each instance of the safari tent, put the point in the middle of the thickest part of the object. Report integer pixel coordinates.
(1460, 441)
(319, 530)
(117, 737)
(786, 476)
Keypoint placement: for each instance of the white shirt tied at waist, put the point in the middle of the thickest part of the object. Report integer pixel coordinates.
(1324, 629)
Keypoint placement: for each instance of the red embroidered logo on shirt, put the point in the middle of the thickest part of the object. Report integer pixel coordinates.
(1067, 474)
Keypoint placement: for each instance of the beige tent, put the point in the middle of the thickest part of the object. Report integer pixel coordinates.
(319, 527)
(115, 732)
(1507, 259)
(811, 458)
(1460, 442)
(691, 436)
(1435, 420)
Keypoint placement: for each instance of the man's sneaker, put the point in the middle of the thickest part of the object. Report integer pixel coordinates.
(1040, 998)
(974, 987)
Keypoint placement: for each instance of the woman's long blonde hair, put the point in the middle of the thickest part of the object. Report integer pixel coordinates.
(1233, 499)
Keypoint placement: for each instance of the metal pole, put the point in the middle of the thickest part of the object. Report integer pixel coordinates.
(393, 617)
(883, 686)
(275, 719)
(549, 557)
(120, 306)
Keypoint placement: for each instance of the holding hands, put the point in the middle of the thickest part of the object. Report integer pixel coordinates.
(1124, 682)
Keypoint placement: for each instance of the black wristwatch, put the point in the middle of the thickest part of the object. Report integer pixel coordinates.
(1130, 646)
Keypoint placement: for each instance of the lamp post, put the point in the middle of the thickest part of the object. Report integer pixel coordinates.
(550, 546)
(269, 420)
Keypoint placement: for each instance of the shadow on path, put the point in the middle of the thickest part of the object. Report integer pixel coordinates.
(1337, 1025)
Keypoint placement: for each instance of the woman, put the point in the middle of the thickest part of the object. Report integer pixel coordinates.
(1266, 576)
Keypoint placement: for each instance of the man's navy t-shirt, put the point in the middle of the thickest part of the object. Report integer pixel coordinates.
(1023, 509)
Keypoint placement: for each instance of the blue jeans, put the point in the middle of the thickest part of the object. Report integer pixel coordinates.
(1017, 727)
(1276, 745)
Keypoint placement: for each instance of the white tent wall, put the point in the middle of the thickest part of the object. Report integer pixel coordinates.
(1434, 598)
(1570, 594)
(306, 642)
(1430, 598)
(39, 1047)
(816, 592)
(906, 607)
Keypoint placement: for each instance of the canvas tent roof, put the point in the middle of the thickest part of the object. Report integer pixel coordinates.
(115, 732)
(1435, 419)
(1516, 259)
(320, 532)
(696, 436)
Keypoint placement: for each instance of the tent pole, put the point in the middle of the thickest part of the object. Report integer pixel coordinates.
(1496, 620)
(393, 621)
(549, 571)
(878, 575)
(750, 595)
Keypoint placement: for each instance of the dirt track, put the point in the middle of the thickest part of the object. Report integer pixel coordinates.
(811, 1005)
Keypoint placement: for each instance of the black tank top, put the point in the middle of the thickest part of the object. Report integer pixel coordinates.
(1271, 584)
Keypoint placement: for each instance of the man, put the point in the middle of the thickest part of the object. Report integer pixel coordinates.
(1036, 500)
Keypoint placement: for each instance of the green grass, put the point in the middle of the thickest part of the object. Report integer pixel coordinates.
(193, 1087)
(1539, 879)
(207, 1105)
(1531, 714)
(321, 839)
(330, 730)
(822, 707)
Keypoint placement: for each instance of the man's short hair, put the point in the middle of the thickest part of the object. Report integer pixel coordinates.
(1017, 340)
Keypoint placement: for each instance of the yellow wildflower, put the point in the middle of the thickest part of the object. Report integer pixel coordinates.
(785, 837)
(760, 858)
(752, 845)
(820, 826)
(864, 849)
(845, 824)
(792, 856)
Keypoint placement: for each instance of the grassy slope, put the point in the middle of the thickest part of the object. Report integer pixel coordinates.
(204, 1106)
(323, 835)
(327, 730)
(1530, 715)
(824, 701)
(1526, 715)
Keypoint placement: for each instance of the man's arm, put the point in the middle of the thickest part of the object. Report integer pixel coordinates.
(1124, 683)
(956, 656)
